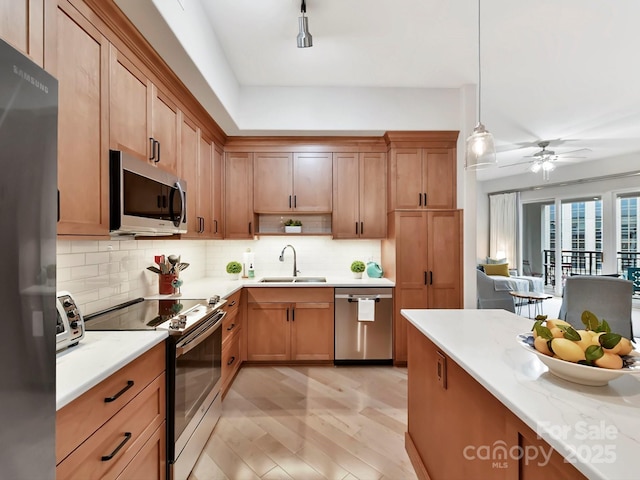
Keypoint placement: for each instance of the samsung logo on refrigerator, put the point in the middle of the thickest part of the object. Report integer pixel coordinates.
(30, 79)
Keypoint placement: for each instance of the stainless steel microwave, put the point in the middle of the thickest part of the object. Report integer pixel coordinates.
(144, 200)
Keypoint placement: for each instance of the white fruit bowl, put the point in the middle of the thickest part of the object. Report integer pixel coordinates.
(582, 374)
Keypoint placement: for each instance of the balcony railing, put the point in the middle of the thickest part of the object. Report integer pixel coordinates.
(581, 262)
(574, 262)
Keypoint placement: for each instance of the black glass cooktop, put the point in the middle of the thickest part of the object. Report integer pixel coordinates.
(138, 314)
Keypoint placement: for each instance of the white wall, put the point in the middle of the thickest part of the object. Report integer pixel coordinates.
(102, 273)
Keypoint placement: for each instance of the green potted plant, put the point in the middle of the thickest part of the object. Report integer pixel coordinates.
(357, 267)
(233, 269)
(293, 226)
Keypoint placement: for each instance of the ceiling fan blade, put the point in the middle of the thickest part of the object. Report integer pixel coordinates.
(580, 150)
(514, 164)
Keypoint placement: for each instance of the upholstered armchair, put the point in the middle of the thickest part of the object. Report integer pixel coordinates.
(608, 298)
(489, 297)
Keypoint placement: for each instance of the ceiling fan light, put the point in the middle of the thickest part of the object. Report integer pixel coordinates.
(548, 166)
(480, 149)
(535, 167)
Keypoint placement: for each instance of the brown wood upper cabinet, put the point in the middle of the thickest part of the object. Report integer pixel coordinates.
(22, 26)
(238, 196)
(292, 182)
(359, 195)
(422, 178)
(143, 119)
(80, 62)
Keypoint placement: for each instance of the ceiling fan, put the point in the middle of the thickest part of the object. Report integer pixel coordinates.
(545, 160)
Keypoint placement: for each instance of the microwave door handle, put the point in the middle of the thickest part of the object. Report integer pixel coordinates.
(183, 204)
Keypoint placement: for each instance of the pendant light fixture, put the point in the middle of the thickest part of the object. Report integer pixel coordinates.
(480, 151)
(305, 39)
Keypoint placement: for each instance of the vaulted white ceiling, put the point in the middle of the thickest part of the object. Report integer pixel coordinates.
(565, 71)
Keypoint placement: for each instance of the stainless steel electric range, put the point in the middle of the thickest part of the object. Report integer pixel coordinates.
(194, 367)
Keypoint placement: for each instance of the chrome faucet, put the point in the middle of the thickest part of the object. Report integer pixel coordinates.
(295, 265)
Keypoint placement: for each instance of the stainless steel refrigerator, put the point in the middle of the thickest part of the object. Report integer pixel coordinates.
(28, 214)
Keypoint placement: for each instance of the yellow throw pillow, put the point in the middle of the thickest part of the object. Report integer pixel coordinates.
(497, 269)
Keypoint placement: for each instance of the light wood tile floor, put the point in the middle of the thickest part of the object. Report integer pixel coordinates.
(304, 423)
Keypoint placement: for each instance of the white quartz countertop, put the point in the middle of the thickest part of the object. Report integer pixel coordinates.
(597, 428)
(96, 357)
(206, 287)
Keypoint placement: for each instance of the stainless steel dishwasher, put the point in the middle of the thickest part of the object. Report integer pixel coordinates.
(363, 341)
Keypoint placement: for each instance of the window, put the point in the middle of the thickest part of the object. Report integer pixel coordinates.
(627, 207)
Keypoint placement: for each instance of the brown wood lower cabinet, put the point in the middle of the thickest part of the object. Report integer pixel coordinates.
(231, 339)
(289, 324)
(96, 438)
(449, 421)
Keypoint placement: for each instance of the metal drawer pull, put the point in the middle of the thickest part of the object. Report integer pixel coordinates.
(233, 325)
(115, 397)
(233, 359)
(127, 437)
(232, 303)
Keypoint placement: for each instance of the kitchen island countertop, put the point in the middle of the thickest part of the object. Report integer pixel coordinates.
(96, 357)
(596, 428)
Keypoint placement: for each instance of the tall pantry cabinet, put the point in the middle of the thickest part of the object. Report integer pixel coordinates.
(423, 248)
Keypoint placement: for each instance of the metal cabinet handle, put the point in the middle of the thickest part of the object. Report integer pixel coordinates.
(249, 228)
(425, 199)
(152, 147)
(356, 228)
(289, 201)
(215, 224)
(361, 228)
(425, 278)
(158, 159)
(287, 314)
(233, 325)
(430, 277)
(293, 314)
(419, 199)
(295, 201)
(233, 359)
(127, 437)
(232, 303)
(117, 395)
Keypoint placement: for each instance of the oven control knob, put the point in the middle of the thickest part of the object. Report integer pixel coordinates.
(73, 324)
(67, 303)
(71, 313)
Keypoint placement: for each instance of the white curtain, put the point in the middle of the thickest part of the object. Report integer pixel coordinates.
(503, 227)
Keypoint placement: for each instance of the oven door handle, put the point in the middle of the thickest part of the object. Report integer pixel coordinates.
(199, 336)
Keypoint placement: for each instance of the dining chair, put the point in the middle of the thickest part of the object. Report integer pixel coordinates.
(608, 298)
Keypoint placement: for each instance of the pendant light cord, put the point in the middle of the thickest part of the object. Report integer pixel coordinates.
(479, 70)
(303, 7)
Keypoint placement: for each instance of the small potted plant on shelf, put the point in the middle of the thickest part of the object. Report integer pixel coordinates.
(293, 226)
(357, 267)
(234, 269)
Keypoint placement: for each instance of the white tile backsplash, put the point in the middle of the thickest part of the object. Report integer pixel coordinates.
(103, 273)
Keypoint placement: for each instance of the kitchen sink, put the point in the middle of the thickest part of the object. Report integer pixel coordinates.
(293, 280)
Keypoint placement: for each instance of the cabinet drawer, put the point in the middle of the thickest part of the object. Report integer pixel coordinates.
(290, 294)
(233, 303)
(150, 462)
(230, 359)
(108, 451)
(80, 418)
(230, 324)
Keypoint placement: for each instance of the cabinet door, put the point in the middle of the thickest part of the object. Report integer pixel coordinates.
(444, 259)
(439, 171)
(128, 114)
(205, 176)
(238, 195)
(22, 26)
(411, 249)
(268, 332)
(217, 188)
(407, 178)
(312, 182)
(164, 130)
(345, 221)
(81, 66)
(312, 331)
(189, 172)
(373, 195)
(272, 187)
